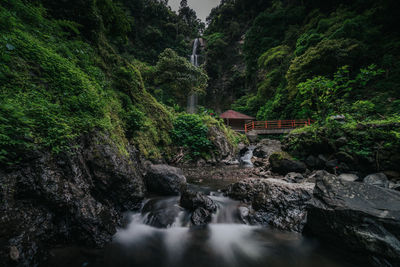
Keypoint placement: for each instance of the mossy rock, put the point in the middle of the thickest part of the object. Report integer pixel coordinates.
(283, 163)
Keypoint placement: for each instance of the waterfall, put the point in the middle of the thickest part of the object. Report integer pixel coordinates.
(194, 59)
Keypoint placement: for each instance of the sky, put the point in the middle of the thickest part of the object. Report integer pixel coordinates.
(202, 7)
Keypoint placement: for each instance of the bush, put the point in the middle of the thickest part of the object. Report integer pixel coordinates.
(191, 132)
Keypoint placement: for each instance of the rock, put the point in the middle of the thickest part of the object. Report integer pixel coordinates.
(201, 206)
(276, 202)
(332, 164)
(312, 161)
(377, 179)
(252, 136)
(161, 214)
(282, 163)
(348, 177)
(225, 149)
(192, 200)
(258, 162)
(74, 198)
(201, 216)
(392, 175)
(267, 147)
(294, 177)
(394, 186)
(231, 162)
(165, 180)
(359, 218)
(312, 178)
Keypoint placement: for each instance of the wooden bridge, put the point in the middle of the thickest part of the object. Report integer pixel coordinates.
(275, 127)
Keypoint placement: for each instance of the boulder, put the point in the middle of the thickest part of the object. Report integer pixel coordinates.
(201, 206)
(294, 177)
(359, 218)
(312, 161)
(377, 179)
(348, 177)
(315, 175)
(267, 147)
(275, 202)
(74, 198)
(252, 137)
(282, 163)
(165, 180)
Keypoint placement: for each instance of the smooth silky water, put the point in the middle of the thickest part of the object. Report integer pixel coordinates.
(160, 235)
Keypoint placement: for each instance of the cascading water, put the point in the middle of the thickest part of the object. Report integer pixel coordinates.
(245, 160)
(161, 235)
(194, 59)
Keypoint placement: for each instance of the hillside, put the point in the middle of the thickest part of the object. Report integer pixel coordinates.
(261, 55)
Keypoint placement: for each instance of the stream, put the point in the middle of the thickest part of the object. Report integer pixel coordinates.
(161, 235)
(226, 241)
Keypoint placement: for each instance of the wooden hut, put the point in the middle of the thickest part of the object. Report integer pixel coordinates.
(235, 120)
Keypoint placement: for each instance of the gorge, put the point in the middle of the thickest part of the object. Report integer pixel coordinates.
(112, 151)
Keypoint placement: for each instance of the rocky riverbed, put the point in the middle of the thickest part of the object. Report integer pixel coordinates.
(57, 202)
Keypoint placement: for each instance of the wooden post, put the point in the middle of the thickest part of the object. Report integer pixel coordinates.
(253, 125)
(279, 124)
(245, 127)
(309, 121)
(266, 124)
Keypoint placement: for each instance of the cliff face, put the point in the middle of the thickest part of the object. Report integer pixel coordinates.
(75, 198)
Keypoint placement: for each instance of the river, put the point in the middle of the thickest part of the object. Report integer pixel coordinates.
(161, 235)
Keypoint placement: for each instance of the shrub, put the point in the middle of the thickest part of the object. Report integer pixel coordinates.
(191, 132)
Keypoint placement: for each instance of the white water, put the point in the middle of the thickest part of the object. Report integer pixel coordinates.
(194, 59)
(225, 242)
(245, 160)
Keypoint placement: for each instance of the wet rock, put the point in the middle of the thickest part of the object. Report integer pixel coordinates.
(252, 136)
(312, 178)
(267, 147)
(75, 198)
(225, 150)
(201, 216)
(394, 186)
(359, 218)
(332, 164)
(282, 163)
(165, 180)
(377, 179)
(201, 206)
(192, 200)
(258, 162)
(348, 177)
(275, 202)
(312, 161)
(294, 177)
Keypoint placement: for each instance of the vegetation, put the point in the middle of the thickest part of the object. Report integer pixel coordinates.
(282, 49)
(64, 74)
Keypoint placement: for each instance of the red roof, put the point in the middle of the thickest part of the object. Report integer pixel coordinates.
(231, 114)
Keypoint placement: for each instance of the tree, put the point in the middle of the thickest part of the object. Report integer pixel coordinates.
(178, 78)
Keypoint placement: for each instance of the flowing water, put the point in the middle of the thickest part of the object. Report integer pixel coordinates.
(245, 160)
(194, 59)
(161, 235)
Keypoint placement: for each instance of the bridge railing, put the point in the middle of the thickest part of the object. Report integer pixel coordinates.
(276, 124)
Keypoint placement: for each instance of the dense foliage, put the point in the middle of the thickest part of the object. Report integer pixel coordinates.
(69, 68)
(191, 133)
(266, 58)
